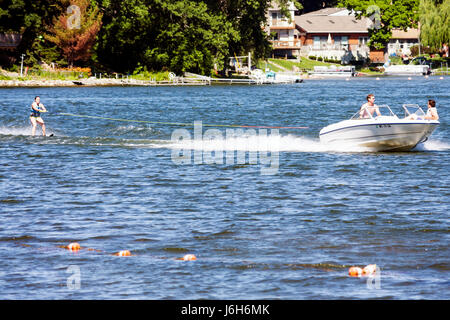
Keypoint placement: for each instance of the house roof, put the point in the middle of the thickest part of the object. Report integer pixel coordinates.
(328, 12)
(409, 34)
(332, 24)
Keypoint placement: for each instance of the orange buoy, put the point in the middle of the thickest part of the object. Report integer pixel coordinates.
(123, 253)
(370, 269)
(189, 257)
(74, 246)
(355, 272)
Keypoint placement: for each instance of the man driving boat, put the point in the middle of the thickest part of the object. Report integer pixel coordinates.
(369, 107)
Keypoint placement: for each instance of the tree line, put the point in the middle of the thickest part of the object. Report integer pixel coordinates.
(121, 36)
(179, 35)
(433, 16)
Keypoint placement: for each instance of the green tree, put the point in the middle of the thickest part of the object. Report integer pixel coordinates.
(29, 18)
(248, 17)
(313, 5)
(181, 35)
(386, 15)
(435, 23)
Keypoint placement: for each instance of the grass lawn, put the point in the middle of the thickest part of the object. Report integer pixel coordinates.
(266, 64)
(304, 64)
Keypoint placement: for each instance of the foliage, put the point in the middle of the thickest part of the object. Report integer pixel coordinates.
(29, 18)
(175, 35)
(313, 5)
(75, 38)
(386, 15)
(4, 77)
(396, 60)
(435, 23)
(423, 50)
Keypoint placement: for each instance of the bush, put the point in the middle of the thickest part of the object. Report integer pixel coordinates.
(423, 50)
(3, 77)
(396, 60)
(333, 61)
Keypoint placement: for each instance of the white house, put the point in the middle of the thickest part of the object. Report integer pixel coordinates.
(284, 35)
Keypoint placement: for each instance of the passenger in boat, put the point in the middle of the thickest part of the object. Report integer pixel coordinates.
(432, 113)
(369, 106)
(35, 117)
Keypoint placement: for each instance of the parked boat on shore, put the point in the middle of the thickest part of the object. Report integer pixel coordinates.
(407, 70)
(334, 71)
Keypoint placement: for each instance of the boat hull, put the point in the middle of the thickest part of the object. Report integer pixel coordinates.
(399, 135)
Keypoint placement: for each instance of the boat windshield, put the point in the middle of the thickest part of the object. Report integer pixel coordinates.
(413, 110)
(371, 113)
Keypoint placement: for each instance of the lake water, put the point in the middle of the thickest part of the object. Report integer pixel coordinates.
(283, 219)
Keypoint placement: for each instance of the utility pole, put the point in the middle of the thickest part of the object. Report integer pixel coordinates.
(21, 66)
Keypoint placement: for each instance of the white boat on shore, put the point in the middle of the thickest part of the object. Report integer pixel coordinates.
(334, 71)
(387, 132)
(407, 70)
(270, 77)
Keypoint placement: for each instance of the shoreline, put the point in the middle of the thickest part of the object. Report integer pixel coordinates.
(84, 83)
(107, 82)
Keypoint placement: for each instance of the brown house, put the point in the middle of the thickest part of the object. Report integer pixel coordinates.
(9, 41)
(333, 33)
(8, 44)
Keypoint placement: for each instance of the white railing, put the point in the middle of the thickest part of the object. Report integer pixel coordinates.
(279, 44)
(282, 23)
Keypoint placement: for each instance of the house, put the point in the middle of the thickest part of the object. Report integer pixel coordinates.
(402, 41)
(285, 37)
(8, 44)
(331, 33)
(335, 34)
(9, 41)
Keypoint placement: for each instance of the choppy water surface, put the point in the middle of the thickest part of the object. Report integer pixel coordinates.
(290, 232)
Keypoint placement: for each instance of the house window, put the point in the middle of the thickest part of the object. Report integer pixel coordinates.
(316, 42)
(362, 41)
(323, 42)
(337, 42)
(344, 42)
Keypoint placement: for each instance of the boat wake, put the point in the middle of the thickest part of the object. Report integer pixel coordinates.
(16, 131)
(288, 143)
(433, 145)
(23, 132)
(268, 143)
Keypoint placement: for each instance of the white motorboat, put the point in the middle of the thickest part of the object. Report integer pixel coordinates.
(406, 70)
(386, 132)
(334, 71)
